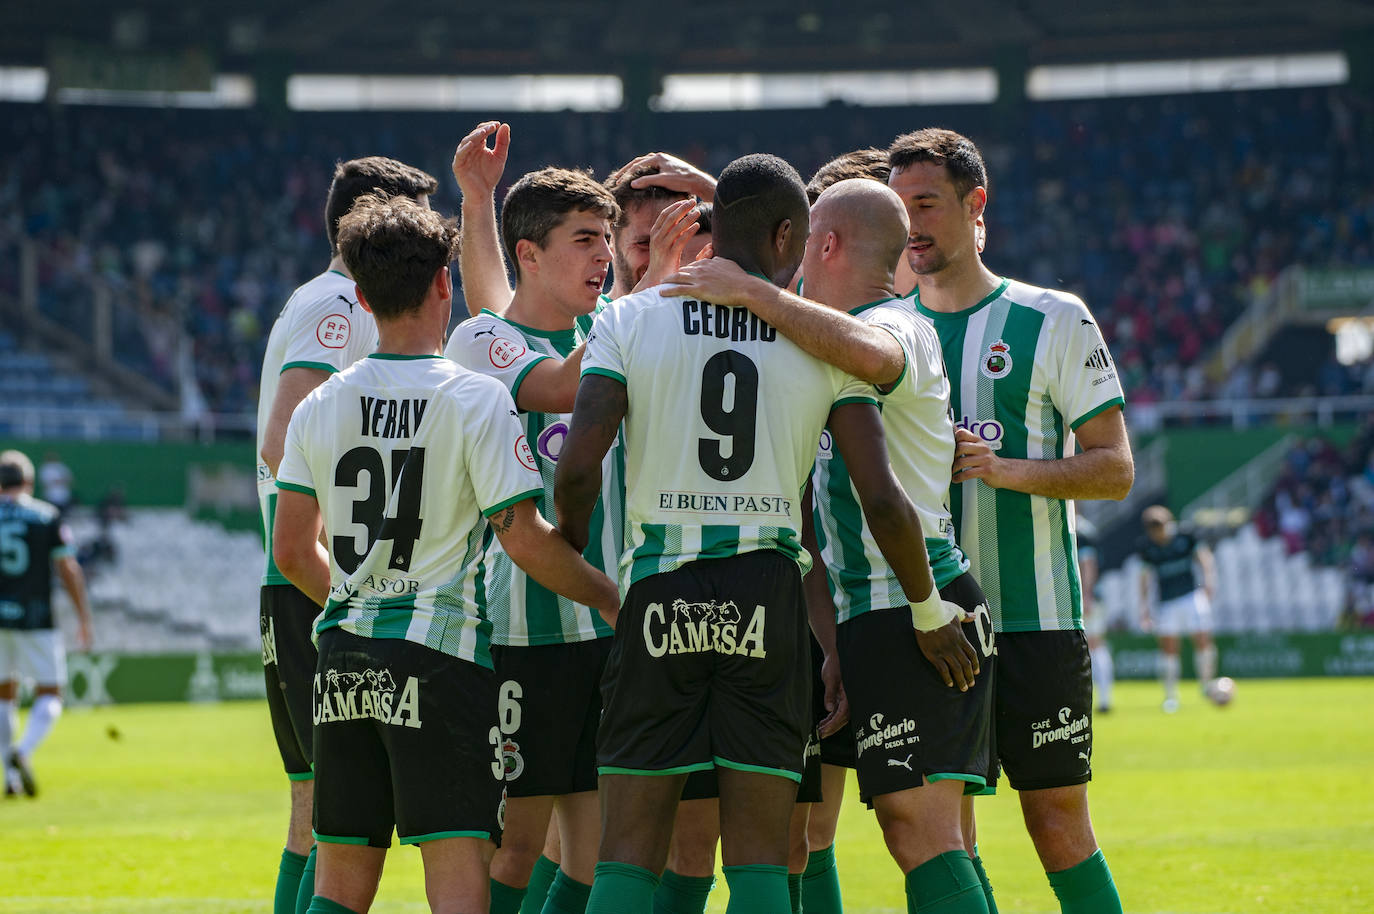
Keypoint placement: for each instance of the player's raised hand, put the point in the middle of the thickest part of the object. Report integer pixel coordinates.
(950, 653)
(674, 174)
(974, 459)
(718, 280)
(674, 226)
(836, 702)
(477, 167)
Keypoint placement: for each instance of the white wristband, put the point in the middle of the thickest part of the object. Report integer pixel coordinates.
(934, 612)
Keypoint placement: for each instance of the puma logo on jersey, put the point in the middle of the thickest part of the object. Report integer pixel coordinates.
(893, 763)
(349, 302)
(384, 418)
(490, 331)
(696, 628)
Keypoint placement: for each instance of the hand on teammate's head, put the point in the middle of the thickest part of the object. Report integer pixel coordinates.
(673, 174)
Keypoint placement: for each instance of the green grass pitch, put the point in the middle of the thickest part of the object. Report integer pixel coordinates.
(1265, 806)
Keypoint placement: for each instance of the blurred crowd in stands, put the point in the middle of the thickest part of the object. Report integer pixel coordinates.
(1167, 214)
(1324, 504)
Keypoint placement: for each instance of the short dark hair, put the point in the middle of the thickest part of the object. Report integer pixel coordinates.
(370, 175)
(753, 195)
(861, 163)
(704, 219)
(627, 196)
(16, 469)
(393, 246)
(941, 147)
(540, 200)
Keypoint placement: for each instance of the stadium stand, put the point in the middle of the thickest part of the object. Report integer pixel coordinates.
(172, 584)
(1167, 214)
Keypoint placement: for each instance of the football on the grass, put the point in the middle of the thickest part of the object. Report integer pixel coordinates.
(1222, 691)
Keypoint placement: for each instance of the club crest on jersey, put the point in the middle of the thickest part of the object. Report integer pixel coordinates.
(512, 762)
(996, 361)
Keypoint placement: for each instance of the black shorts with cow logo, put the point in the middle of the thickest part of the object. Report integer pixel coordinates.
(407, 738)
(909, 727)
(286, 618)
(1044, 708)
(710, 667)
(550, 704)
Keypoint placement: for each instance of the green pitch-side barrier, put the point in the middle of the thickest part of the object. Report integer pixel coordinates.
(114, 678)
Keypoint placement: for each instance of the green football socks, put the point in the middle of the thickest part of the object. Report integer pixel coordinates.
(567, 895)
(821, 883)
(306, 893)
(288, 883)
(946, 884)
(507, 899)
(1086, 888)
(678, 894)
(538, 889)
(794, 890)
(619, 888)
(320, 905)
(983, 878)
(757, 889)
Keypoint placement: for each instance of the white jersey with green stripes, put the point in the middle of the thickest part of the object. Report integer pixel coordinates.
(523, 611)
(920, 447)
(1029, 366)
(721, 431)
(408, 456)
(322, 327)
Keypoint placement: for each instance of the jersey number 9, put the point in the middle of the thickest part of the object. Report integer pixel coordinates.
(728, 410)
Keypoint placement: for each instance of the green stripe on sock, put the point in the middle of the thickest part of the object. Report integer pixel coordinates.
(306, 893)
(946, 884)
(619, 888)
(567, 895)
(506, 899)
(537, 892)
(320, 905)
(757, 889)
(983, 878)
(288, 882)
(821, 883)
(678, 894)
(1086, 888)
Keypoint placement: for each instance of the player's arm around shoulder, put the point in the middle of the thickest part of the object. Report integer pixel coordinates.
(867, 352)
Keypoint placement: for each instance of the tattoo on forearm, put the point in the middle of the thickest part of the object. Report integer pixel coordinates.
(506, 520)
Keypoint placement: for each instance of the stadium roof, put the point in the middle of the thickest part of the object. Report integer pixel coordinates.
(553, 36)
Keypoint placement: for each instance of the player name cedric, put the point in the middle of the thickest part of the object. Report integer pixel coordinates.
(725, 503)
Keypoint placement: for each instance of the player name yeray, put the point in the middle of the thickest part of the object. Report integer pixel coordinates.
(383, 418)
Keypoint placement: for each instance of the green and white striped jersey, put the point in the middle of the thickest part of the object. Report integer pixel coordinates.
(1029, 366)
(523, 611)
(920, 447)
(321, 327)
(721, 431)
(408, 456)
